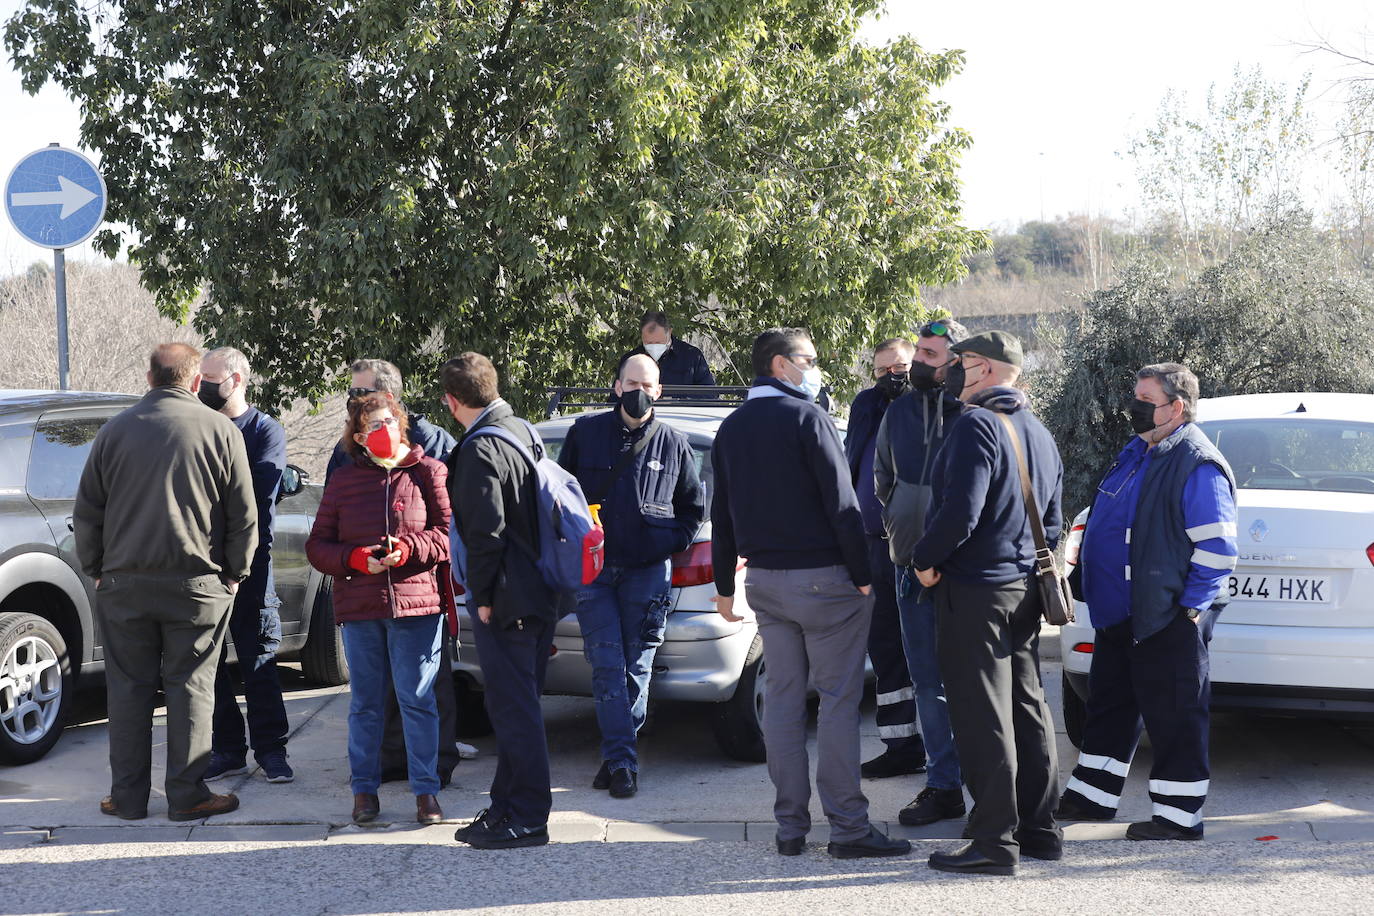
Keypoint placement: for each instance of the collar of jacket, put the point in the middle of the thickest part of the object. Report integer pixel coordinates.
(1001, 398)
(498, 411)
(1171, 440)
(769, 382)
(162, 392)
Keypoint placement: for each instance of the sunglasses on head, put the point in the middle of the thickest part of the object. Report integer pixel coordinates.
(935, 328)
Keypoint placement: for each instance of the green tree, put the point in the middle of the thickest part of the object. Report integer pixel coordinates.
(412, 178)
(1283, 312)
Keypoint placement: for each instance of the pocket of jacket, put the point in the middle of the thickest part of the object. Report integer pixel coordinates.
(904, 519)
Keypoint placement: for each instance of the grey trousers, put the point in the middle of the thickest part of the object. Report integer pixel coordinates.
(814, 625)
(161, 630)
(989, 650)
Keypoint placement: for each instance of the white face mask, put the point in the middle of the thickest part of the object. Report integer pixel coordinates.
(811, 381)
(655, 350)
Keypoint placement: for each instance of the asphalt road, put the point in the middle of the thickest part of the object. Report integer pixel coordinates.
(696, 839)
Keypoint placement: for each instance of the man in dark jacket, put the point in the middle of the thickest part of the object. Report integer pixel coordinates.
(912, 432)
(513, 613)
(784, 501)
(978, 556)
(643, 476)
(896, 713)
(369, 375)
(255, 623)
(1160, 542)
(679, 363)
(166, 524)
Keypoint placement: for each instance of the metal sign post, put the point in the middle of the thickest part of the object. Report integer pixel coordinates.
(48, 199)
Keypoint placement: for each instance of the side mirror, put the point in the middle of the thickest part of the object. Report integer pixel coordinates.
(293, 480)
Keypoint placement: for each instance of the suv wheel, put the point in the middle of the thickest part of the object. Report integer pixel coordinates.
(739, 720)
(322, 657)
(1075, 713)
(35, 683)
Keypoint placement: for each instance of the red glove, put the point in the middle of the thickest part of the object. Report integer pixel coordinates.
(358, 559)
(402, 547)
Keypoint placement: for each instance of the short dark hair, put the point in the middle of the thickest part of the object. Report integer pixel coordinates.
(1179, 384)
(471, 379)
(361, 407)
(385, 376)
(775, 342)
(655, 317)
(894, 343)
(173, 365)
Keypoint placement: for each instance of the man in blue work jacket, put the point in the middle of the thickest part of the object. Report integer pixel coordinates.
(1160, 541)
(643, 474)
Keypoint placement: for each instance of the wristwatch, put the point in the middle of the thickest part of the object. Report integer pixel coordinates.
(1191, 613)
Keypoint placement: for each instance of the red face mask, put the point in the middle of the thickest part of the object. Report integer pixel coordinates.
(379, 442)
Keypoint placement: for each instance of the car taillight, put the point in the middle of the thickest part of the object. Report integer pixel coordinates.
(693, 566)
(1075, 541)
(1085, 647)
(1369, 552)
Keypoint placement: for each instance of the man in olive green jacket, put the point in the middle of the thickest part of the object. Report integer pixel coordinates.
(166, 525)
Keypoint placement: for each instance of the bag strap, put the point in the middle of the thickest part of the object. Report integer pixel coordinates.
(500, 432)
(1027, 492)
(627, 458)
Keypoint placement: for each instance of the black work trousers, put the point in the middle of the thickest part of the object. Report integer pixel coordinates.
(896, 713)
(989, 649)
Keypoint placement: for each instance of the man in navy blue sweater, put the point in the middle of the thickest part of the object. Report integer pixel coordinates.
(977, 556)
(255, 622)
(784, 501)
(643, 475)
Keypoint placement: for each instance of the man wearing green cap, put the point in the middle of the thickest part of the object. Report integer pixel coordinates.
(977, 557)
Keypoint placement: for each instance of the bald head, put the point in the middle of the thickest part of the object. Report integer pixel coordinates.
(641, 369)
(174, 365)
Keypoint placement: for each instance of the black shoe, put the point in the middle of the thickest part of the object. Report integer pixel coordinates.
(1072, 808)
(932, 805)
(1158, 830)
(893, 763)
(968, 861)
(603, 776)
(792, 847)
(507, 835)
(873, 846)
(485, 819)
(624, 782)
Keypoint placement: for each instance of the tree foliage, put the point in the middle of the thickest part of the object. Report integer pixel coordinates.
(413, 178)
(1283, 312)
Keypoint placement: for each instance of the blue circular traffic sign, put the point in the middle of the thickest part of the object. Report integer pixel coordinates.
(55, 197)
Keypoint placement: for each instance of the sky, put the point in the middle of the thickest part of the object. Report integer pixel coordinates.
(1051, 91)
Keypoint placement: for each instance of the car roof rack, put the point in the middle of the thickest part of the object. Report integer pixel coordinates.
(561, 399)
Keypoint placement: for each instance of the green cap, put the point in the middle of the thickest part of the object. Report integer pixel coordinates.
(998, 345)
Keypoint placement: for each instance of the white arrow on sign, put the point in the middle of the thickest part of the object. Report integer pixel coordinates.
(72, 197)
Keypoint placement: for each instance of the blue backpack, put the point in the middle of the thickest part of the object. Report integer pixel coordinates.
(571, 545)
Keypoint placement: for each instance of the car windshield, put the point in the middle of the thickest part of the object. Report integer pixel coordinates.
(1282, 453)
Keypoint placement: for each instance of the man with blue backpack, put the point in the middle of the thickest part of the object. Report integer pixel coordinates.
(643, 476)
(493, 488)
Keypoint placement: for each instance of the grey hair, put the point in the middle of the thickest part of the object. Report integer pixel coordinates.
(385, 376)
(232, 360)
(1178, 382)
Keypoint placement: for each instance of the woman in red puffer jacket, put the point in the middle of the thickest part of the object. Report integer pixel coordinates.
(382, 533)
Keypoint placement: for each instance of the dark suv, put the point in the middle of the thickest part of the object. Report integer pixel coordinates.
(48, 634)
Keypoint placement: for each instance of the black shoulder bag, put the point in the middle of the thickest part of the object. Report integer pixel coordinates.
(626, 459)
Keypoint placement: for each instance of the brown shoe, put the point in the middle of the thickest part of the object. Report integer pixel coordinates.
(366, 807)
(108, 806)
(215, 804)
(427, 810)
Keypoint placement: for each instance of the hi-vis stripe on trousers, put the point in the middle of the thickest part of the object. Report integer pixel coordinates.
(896, 712)
(1163, 683)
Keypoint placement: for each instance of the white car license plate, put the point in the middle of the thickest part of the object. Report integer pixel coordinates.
(1268, 587)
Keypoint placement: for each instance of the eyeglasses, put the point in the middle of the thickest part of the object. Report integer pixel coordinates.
(378, 424)
(1121, 486)
(361, 392)
(805, 360)
(894, 369)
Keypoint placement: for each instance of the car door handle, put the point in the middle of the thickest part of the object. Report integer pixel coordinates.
(70, 526)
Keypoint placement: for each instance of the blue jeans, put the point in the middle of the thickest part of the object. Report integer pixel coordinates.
(622, 615)
(918, 638)
(255, 628)
(406, 651)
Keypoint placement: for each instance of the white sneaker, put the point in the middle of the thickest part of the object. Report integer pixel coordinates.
(466, 751)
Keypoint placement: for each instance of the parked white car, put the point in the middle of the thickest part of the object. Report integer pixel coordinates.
(1297, 636)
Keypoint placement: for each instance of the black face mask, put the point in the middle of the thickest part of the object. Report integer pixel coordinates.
(923, 377)
(954, 378)
(893, 385)
(636, 403)
(209, 395)
(1143, 416)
